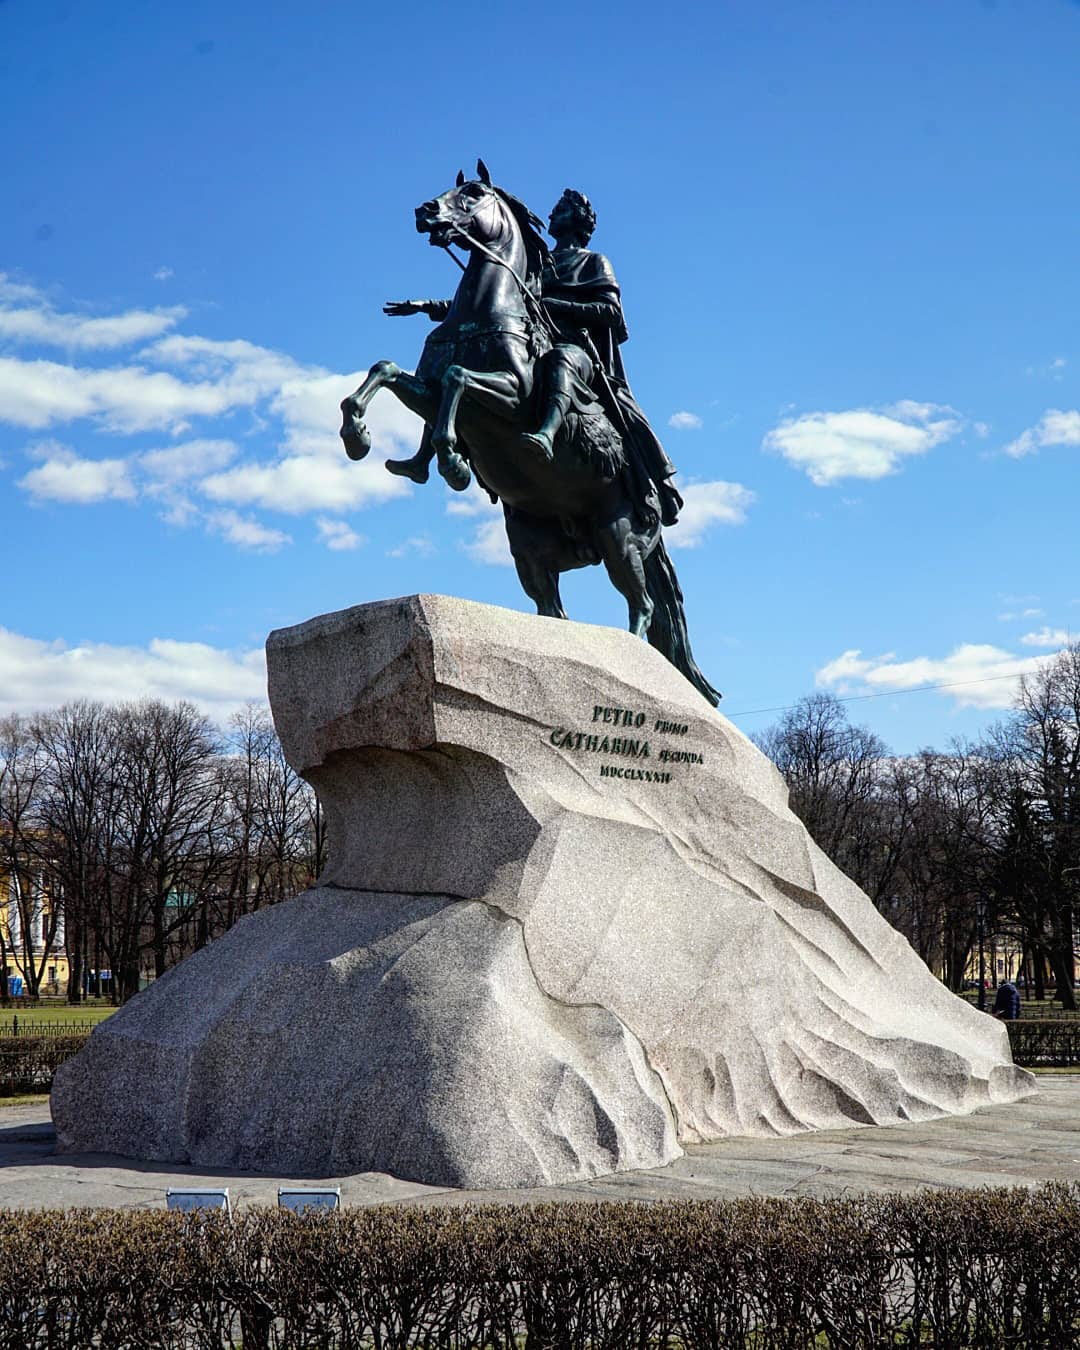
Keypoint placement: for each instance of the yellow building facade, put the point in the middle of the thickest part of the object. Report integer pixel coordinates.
(30, 915)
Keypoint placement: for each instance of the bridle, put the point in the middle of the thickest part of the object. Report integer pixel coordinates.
(533, 303)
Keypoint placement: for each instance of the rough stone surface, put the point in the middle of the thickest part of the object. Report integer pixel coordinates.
(533, 959)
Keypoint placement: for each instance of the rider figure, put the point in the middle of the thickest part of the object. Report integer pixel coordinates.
(582, 298)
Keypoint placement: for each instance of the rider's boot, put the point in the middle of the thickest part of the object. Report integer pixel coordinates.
(415, 467)
(543, 439)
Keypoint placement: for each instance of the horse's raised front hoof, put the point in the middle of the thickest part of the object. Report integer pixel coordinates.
(456, 472)
(538, 444)
(356, 437)
(413, 468)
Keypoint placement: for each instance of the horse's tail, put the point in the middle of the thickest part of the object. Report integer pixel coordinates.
(667, 630)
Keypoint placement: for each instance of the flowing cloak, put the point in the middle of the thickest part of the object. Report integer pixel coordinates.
(582, 296)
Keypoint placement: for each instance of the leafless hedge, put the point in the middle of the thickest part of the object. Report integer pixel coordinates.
(946, 1269)
(27, 1063)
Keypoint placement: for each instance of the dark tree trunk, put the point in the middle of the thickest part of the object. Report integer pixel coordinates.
(160, 945)
(1038, 967)
(1065, 968)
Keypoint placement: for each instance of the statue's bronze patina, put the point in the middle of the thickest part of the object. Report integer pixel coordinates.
(522, 384)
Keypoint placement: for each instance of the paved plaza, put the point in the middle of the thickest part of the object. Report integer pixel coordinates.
(1018, 1144)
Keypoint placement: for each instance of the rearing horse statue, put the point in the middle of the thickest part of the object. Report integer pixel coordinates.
(476, 389)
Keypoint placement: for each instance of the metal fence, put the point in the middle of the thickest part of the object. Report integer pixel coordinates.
(25, 1026)
(1048, 1043)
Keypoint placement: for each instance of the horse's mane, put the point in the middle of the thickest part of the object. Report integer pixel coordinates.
(530, 225)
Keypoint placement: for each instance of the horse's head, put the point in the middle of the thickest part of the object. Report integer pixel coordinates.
(471, 210)
(475, 211)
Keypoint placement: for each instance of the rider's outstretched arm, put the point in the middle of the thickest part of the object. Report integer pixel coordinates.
(436, 310)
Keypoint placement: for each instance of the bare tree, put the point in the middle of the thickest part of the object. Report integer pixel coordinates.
(1039, 871)
(837, 775)
(277, 832)
(169, 810)
(33, 909)
(75, 817)
(145, 832)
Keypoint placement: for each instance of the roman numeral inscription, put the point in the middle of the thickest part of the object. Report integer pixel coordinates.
(629, 739)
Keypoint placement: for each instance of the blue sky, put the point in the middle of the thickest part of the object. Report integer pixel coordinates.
(847, 238)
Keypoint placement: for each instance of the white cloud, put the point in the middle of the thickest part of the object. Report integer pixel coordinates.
(705, 505)
(308, 470)
(684, 421)
(984, 676)
(474, 501)
(37, 675)
(337, 535)
(64, 476)
(489, 544)
(1047, 637)
(1011, 615)
(181, 377)
(862, 443)
(314, 473)
(418, 545)
(214, 378)
(1053, 428)
(17, 291)
(163, 274)
(177, 507)
(42, 324)
(244, 368)
(39, 394)
(301, 483)
(246, 532)
(192, 459)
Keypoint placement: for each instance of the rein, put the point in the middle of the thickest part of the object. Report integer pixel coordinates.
(532, 303)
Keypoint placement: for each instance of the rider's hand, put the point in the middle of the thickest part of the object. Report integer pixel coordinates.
(400, 308)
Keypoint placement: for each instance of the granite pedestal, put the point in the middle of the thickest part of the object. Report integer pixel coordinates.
(569, 927)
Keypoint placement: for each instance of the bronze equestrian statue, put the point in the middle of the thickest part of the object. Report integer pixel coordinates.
(522, 385)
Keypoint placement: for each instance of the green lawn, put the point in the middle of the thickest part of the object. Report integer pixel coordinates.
(56, 1014)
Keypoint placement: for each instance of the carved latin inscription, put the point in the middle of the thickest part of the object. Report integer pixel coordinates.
(629, 739)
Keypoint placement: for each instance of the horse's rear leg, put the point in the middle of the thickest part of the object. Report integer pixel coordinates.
(542, 587)
(535, 549)
(623, 552)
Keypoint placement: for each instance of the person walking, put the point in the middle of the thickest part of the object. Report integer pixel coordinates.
(1007, 1002)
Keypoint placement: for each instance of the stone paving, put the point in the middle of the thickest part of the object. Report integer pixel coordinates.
(1017, 1144)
